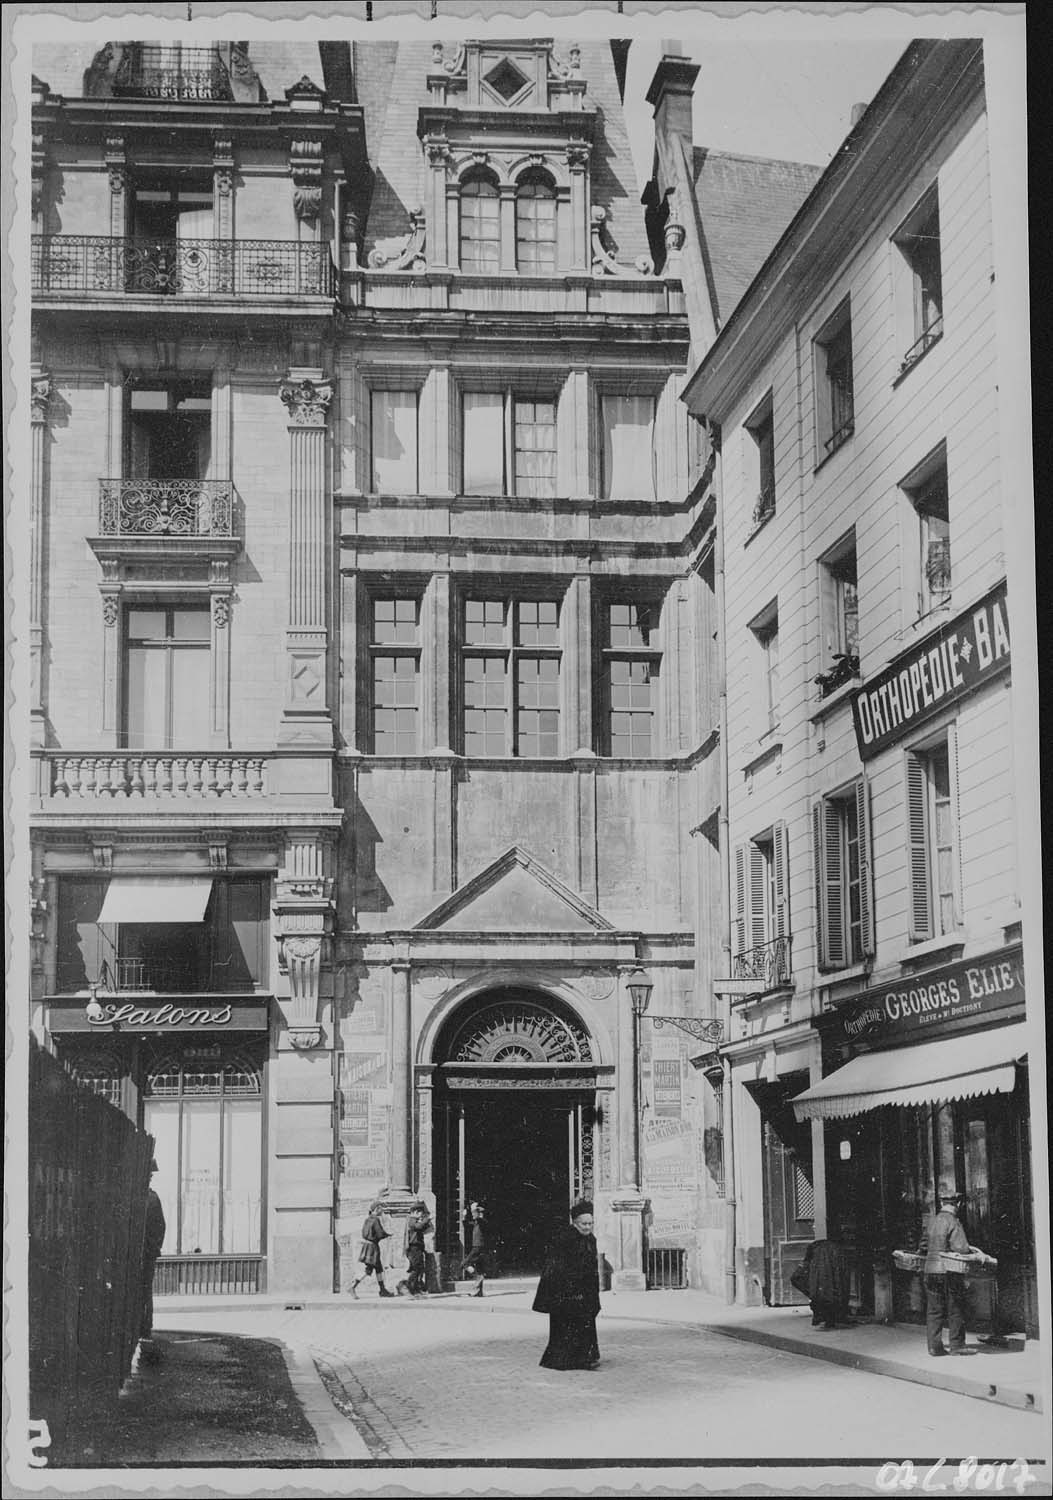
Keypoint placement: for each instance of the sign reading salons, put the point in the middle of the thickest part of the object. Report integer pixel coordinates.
(191, 1015)
(935, 673)
(926, 1001)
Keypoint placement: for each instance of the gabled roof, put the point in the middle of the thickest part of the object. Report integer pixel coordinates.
(744, 204)
(514, 893)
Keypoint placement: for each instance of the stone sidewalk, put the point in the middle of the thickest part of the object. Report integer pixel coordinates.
(1011, 1376)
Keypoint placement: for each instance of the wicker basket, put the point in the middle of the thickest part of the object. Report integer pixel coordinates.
(908, 1260)
(967, 1265)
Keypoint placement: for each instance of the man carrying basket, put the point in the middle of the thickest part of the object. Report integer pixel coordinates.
(943, 1243)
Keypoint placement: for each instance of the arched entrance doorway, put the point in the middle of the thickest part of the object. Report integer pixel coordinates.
(514, 1123)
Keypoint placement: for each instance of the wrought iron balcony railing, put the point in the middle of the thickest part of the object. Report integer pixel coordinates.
(929, 336)
(148, 72)
(768, 961)
(165, 975)
(107, 265)
(166, 507)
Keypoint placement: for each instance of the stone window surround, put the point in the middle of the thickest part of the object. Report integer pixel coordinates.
(582, 603)
(566, 166)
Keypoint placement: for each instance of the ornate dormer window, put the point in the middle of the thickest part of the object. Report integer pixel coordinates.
(507, 135)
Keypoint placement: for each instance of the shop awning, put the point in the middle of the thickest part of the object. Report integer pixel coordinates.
(959, 1068)
(156, 898)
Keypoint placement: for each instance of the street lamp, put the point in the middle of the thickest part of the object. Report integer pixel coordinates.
(640, 985)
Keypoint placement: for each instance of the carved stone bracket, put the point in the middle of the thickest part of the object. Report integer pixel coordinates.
(303, 911)
(221, 611)
(40, 393)
(223, 165)
(116, 163)
(604, 262)
(38, 166)
(305, 167)
(307, 400)
(410, 255)
(38, 917)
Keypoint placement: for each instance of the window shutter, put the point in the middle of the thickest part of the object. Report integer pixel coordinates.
(866, 874)
(920, 895)
(781, 856)
(484, 443)
(757, 934)
(739, 917)
(822, 947)
(834, 882)
(952, 776)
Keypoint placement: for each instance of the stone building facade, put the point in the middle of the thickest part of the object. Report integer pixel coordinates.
(373, 705)
(875, 989)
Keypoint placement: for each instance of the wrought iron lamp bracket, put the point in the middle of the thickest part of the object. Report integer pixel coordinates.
(702, 1031)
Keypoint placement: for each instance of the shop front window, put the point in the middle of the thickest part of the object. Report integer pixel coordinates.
(204, 1109)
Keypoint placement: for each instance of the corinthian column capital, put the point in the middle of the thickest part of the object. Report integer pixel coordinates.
(307, 399)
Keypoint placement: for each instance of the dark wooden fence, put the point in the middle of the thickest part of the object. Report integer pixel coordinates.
(89, 1174)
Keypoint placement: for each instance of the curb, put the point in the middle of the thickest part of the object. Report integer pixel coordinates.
(337, 1436)
(875, 1364)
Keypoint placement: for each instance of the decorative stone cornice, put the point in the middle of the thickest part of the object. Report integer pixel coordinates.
(307, 400)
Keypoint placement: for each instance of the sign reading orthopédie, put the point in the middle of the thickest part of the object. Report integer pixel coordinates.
(164, 1016)
(936, 672)
(930, 1000)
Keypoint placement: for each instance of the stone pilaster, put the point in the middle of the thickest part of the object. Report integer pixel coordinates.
(401, 1079)
(441, 253)
(306, 720)
(117, 168)
(577, 166)
(223, 187)
(39, 401)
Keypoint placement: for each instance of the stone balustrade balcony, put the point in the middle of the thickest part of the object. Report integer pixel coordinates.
(116, 776)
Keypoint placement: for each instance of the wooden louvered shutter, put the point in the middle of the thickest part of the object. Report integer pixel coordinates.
(956, 823)
(757, 934)
(781, 855)
(738, 920)
(866, 874)
(818, 846)
(919, 911)
(829, 854)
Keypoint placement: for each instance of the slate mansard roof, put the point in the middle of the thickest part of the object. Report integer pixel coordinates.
(744, 204)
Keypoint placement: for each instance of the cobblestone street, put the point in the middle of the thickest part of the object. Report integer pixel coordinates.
(446, 1381)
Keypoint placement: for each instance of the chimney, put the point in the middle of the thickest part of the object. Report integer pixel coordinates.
(858, 111)
(670, 95)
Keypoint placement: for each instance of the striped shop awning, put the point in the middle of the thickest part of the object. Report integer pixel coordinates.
(961, 1067)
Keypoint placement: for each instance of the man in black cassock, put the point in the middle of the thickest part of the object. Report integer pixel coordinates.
(569, 1291)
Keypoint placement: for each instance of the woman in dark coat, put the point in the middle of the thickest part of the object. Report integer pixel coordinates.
(569, 1291)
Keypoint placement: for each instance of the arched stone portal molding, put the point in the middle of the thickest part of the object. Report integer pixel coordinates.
(468, 990)
(519, 1032)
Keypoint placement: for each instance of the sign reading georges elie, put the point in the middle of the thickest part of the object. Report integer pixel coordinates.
(939, 670)
(930, 1000)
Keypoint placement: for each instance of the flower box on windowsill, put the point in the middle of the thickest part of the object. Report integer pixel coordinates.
(845, 669)
(762, 512)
